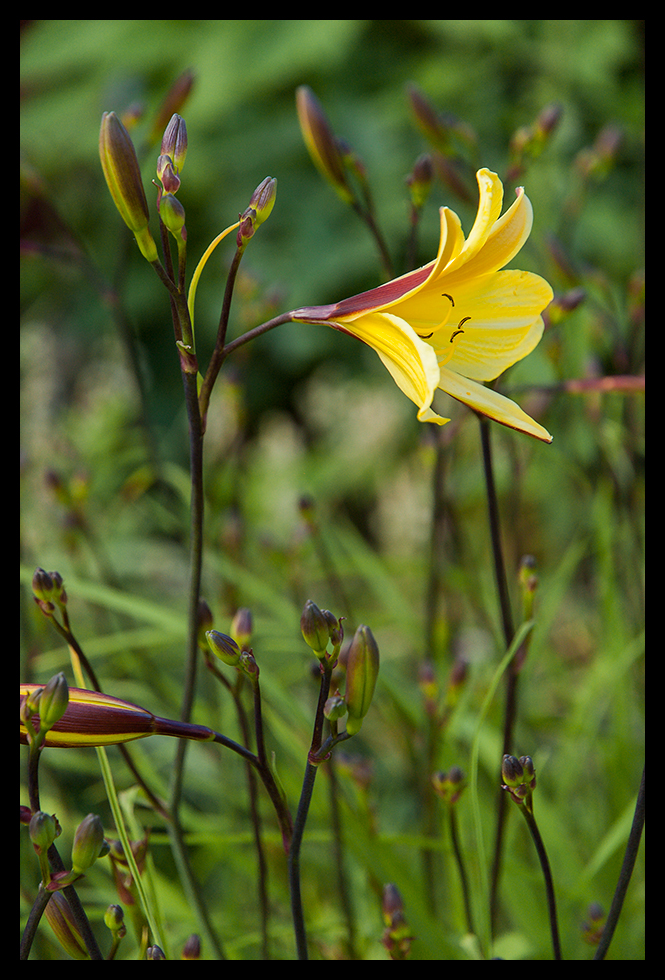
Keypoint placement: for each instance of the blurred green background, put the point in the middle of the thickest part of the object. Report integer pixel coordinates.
(306, 410)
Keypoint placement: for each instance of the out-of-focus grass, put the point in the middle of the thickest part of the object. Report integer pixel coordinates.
(308, 411)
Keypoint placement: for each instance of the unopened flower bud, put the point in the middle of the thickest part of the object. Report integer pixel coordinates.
(449, 785)
(391, 903)
(420, 179)
(167, 175)
(335, 628)
(123, 177)
(174, 141)
(172, 214)
(335, 707)
(114, 920)
(91, 718)
(204, 622)
(53, 702)
(242, 627)
(59, 595)
(592, 930)
(362, 670)
(529, 772)
(42, 585)
(519, 779)
(61, 920)
(192, 948)
(427, 120)
(88, 842)
(43, 830)
(511, 770)
(314, 627)
(321, 143)
(549, 118)
(224, 647)
(173, 102)
(249, 665)
(246, 228)
(528, 578)
(262, 200)
(396, 938)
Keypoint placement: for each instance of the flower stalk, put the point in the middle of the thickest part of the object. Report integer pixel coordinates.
(519, 778)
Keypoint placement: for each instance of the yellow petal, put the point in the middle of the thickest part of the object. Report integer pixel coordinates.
(490, 403)
(504, 323)
(489, 209)
(502, 244)
(411, 362)
(451, 242)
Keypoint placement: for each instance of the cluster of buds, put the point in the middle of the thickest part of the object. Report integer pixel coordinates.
(261, 204)
(227, 650)
(519, 779)
(592, 930)
(396, 938)
(528, 142)
(320, 627)
(48, 591)
(169, 166)
(449, 785)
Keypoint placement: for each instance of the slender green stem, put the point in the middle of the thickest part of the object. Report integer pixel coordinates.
(508, 632)
(301, 819)
(184, 335)
(627, 866)
(344, 891)
(294, 861)
(257, 332)
(464, 881)
(365, 215)
(547, 875)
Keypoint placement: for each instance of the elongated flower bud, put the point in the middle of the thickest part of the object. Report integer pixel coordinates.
(53, 702)
(43, 829)
(242, 628)
(123, 177)
(321, 143)
(362, 670)
(314, 627)
(224, 647)
(88, 843)
(263, 199)
(92, 719)
(61, 920)
(174, 141)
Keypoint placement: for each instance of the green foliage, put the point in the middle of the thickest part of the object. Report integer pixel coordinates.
(305, 411)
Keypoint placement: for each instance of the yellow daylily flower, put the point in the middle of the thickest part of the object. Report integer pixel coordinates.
(460, 320)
